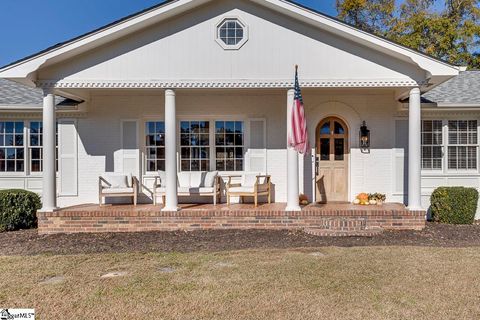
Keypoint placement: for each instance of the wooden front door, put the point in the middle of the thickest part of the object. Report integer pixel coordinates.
(331, 160)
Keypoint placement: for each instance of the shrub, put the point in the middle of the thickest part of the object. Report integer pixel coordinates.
(454, 205)
(18, 209)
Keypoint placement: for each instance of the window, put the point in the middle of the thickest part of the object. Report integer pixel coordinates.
(231, 33)
(18, 149)
(12, 152)
(462, 144)
(195, 145)
(432, 144)
(229, 145)
(204, 145)
(36, 146)
(155, 145)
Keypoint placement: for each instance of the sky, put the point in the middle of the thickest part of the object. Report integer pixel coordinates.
(29, 26)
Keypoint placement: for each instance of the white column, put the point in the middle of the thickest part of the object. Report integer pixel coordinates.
(414, 151)
(49, 192)
(292, 162)
(171, 198)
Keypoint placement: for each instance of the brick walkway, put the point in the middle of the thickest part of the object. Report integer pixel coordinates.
(336, 219)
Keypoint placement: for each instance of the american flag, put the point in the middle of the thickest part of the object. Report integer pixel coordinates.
(298, 138)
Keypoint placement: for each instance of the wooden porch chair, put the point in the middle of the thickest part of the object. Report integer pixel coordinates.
(198, 183)
(251, 185)
(117, 185)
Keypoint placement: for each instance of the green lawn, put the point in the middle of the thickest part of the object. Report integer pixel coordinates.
(333, 283)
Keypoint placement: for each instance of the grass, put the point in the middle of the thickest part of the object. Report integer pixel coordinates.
(343, 283)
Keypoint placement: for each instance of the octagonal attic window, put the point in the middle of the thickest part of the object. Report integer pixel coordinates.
(231, 33)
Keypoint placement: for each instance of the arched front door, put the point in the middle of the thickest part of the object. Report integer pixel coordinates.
(331, 160)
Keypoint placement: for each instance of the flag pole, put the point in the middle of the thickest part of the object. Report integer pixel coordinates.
(292, 157)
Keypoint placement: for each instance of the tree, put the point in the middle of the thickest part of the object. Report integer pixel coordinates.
(370, 15)
(451, 33)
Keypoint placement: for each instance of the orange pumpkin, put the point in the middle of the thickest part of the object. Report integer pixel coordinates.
(303, 197)
(363, 197)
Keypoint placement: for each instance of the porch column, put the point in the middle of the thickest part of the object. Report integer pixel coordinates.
(49, 193)
(171, 200)
(414, 150)
(292, 162)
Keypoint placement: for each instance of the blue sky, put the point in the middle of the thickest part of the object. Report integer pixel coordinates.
(28, 26)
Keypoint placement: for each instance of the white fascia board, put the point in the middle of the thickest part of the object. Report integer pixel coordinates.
(20, 107)
(405, 105)
(446, 106)
(458, 105)
(13, 108)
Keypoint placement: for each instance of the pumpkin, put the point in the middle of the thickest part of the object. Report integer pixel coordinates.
(363, 197)
(302, 197)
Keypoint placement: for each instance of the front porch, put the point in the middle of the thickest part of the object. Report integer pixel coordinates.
(333, 219)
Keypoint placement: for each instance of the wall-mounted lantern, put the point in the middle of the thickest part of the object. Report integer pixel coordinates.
(364, 137)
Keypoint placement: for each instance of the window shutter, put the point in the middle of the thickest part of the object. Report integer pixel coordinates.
(257, 149)
(130, 151)
(67, 158)
(401, 157)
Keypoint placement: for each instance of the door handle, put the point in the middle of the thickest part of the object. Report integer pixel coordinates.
(317, 164)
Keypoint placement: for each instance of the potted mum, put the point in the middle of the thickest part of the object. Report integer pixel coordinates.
(377, 198)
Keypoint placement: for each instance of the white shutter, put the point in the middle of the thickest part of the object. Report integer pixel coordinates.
(257, 146)
(67, 158)
(130, 152)
(400, 156)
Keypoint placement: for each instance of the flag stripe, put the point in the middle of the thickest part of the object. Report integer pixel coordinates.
(298, 138)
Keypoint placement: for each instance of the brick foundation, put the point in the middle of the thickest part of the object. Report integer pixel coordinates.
(321, 220)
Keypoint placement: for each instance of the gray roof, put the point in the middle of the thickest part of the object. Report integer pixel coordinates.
(463, 89)
(13, 93)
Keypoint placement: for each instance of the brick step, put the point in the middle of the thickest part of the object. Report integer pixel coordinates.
(338, 224)
(320, 232)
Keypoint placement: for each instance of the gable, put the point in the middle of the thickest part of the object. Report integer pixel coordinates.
(184, 49)
(135, 49)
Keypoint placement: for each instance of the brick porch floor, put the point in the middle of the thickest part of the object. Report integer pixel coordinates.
(337, 219)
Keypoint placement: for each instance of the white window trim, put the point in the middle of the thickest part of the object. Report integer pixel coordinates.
(452, 172)
(211, 119)
(213, 162)
(223, 44)
(447, 144)
(143, 144)
(210, 146)
(442, 146)
(26, 173)
(28, 169)
(23, 173)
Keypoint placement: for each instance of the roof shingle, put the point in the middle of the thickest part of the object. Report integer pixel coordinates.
(13, 93)
(462, 89)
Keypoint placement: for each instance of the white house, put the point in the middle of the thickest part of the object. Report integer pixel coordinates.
(159, 89)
